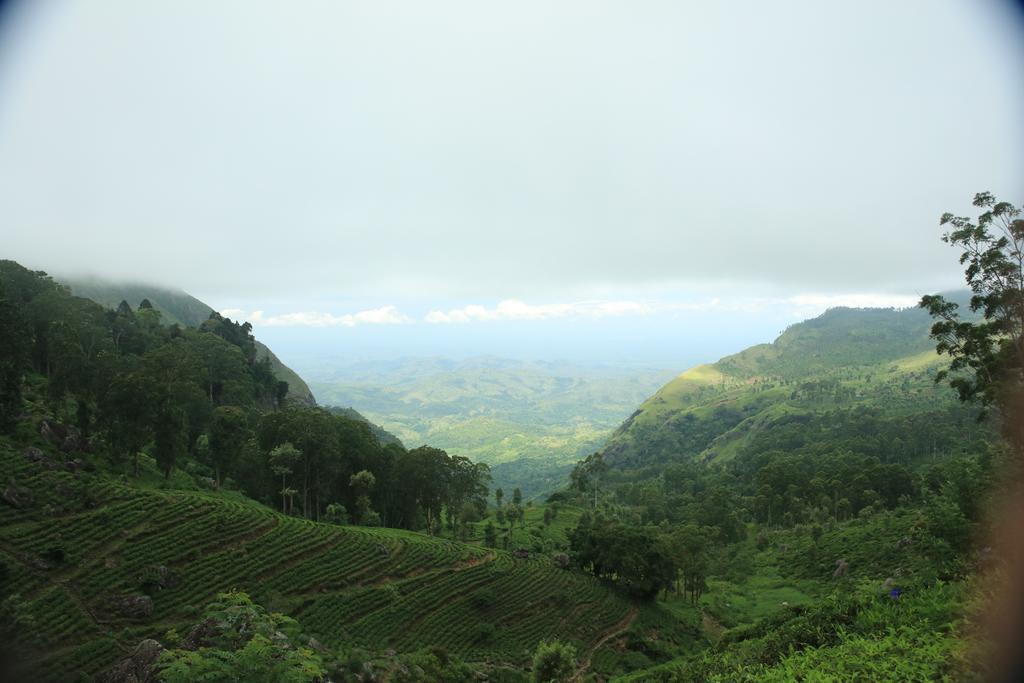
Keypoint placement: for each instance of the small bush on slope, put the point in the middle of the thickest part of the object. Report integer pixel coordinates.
(858, 633)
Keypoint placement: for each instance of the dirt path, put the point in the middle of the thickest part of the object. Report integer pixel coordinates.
(615, 631)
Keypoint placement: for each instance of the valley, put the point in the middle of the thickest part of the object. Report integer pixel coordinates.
(530, 421)
(170, 505)
(550, 342)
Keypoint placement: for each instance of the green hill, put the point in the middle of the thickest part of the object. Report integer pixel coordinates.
(95, 566)
(182, 308)
(877, 363)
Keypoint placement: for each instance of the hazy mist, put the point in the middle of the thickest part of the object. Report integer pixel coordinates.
(340, 158)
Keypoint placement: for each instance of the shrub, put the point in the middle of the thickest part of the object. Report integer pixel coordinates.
(553, 662)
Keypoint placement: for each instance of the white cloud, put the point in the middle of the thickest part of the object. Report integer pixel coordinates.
(798, 306)
(811, 305)
(384, 315)
(855, 300)
(514, 309)
(801, 305)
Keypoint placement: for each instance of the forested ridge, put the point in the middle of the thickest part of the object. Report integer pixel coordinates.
(176, 307)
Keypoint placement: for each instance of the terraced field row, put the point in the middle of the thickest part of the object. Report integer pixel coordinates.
(172, 551)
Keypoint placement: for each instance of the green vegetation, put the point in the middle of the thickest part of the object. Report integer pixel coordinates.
(810, 509)
(866, 367)
(553, 661)
(240, 641)
(91, 561)
(155, 469)
(179, 308)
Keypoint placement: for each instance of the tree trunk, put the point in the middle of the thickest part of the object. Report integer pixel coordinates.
(305, 493)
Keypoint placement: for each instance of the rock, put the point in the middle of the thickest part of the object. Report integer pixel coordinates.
(842, 566)
(200, 635)
(138, 667)
(54, 510)
(64, 491)
(134, 606)
(159, 577)
(40, 564)
(35, 455)
(52, 431)
(17, 496)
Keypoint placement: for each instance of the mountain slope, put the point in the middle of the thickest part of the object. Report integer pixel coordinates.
(182, 308)
(876, 361)
(385, 437)
(96, 565)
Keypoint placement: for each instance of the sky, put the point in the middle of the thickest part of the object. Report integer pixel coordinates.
(643, 181)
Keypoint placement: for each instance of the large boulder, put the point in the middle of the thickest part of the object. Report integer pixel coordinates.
(133, 606)
(33, 454)
(17, 496)
(842, 566)
(53, 431)
(75, 465)
(138, 667)
(200, 635)
(159, 577)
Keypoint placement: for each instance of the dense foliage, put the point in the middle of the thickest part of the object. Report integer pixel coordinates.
(987, 354)
(203, 399)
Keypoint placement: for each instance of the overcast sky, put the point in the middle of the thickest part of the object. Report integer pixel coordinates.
(336, 165)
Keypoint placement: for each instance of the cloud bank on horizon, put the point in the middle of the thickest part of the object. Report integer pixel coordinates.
(799, 306)
(476, 152)
(384, 315)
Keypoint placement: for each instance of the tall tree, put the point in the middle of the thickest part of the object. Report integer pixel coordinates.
(15, 341)
(282, 460)
(987, 353)
(229, 434)
(362, 484)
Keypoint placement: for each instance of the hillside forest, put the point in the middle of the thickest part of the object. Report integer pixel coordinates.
(176, 507)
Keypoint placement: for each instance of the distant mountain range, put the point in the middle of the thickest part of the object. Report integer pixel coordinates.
(531, 421)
